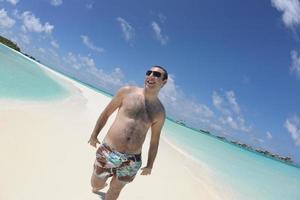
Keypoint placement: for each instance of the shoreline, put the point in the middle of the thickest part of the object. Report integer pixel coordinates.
(236, 144)
(199, 171)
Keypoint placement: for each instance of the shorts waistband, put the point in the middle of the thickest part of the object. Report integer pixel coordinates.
(133, 157)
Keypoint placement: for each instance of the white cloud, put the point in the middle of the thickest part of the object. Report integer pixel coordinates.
(42, 50)
(16, 14)
(13, 2)
(31, 23)
(28, 23)
(218, 103)
(89, 5)
(25, 38)
(54, 44)
(293, 126)
(162, 18)
(56, 2)
(111, 82)
(232, 101)
(73, 61)
(228, 122)
(88, 62)
(230, 111)
(86, 41)
(127, 29)
(78, 61)
(269, 135)
(84, 68)
(295, 67)
(5, 20)
(176, 101)
(163, 39)
(290, 10)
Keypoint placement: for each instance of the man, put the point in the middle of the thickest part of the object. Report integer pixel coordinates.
(119, 155)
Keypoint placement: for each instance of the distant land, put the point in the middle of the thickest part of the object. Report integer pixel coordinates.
(9, 43)
(14, 46)
(266, 153)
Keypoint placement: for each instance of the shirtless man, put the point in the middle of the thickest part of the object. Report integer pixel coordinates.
(119, 155)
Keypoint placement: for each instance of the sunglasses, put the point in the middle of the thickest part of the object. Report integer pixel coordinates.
(154, 73)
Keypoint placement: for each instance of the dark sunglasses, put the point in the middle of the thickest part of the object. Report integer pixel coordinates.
(154, 73)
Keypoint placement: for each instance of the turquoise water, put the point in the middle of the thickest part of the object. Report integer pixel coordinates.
(251, 175)
(23, 79)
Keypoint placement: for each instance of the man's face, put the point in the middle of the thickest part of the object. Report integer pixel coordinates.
(154, 78)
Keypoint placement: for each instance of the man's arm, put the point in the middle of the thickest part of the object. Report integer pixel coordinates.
(109, 109)
(154, 142)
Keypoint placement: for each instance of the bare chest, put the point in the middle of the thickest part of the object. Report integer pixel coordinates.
(136, 107)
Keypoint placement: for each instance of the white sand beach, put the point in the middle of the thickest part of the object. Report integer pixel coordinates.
(45, 155)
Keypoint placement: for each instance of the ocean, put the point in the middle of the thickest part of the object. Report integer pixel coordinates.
(249, 175)
(23, 79)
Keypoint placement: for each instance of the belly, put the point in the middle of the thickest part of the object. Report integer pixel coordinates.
(127, 135)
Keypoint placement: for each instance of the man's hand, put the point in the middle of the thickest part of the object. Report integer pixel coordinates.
(93, 141)
(146, 171)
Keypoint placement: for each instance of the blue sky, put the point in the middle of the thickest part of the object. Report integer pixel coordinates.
(234, 65)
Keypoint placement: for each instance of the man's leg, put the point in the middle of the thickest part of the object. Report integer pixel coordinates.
(115, 188)
(98, 183)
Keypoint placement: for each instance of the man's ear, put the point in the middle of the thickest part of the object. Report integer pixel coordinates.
(164, 83)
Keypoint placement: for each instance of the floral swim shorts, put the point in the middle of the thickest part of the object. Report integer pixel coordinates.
(113, 163)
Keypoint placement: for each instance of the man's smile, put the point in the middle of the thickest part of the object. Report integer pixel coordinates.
(150, 82)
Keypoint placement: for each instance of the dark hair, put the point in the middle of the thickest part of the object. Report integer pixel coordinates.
(165, 71)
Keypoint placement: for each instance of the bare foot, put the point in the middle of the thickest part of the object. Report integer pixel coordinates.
(95, 190)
